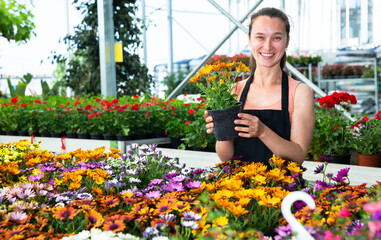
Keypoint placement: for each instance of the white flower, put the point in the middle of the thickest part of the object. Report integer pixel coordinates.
(127, 236)
(97, 234)
(134, 180)
(160, 238)
(190, 224)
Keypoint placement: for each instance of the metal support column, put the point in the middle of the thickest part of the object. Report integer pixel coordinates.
(170, 36)
(106, 47)
(206, 58)
(144, 33)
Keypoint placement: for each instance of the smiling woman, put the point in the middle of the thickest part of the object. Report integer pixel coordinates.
(271, 99)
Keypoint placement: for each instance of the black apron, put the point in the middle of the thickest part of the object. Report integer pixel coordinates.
(253, 149)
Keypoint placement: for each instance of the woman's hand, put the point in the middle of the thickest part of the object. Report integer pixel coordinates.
(250, 127)
(209, 122)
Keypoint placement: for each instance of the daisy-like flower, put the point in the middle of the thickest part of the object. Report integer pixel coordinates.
(84, 195)
(17, 216)
(163, 207)
(168, 217)
(191, 216)
(134, 180)
(155, 182)
(186, 171)
(94, 218)
(150, 231)
(114, 226)
(178, 178)
(153, 194)
(175, 187)
(111, 201)
(64, 213)
(189, 224)
(193, 184)
(319, 169)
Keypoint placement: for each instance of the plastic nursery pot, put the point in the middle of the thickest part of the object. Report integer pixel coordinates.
(369, 160)
(224, 122)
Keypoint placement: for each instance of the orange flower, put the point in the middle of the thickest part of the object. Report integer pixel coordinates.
(94, 218)
(64, 213)
(114, 226)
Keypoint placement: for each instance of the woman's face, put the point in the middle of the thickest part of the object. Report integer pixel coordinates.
(268, 41)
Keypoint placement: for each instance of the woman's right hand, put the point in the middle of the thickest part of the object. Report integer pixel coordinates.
(209, 122)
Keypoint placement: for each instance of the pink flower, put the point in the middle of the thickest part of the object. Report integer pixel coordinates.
(344, 213)
(17, 216)
(373, 207)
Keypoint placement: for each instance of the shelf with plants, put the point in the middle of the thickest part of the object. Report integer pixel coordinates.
(359, 80)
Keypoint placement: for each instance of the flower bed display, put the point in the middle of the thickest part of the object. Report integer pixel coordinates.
(103, 194)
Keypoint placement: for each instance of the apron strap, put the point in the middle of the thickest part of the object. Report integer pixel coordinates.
(284, 95)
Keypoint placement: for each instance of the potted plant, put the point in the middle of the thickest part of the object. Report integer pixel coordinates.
(218, 91)
(366, 141)
(333, 128)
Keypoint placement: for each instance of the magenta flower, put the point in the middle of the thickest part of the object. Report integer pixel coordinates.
(155, 182)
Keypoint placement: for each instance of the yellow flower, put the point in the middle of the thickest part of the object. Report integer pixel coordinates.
(36, 171)
(220, 222)
(259, 179)
(222, 194)
(277, 160)
(220, 82)
(243, 201)
(267, 200)
(294, 168)
(237, 210)
(276, 174)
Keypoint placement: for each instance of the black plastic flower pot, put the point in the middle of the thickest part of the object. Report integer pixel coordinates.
(224, 122)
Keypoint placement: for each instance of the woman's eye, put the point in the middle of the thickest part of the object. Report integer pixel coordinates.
(277, 38)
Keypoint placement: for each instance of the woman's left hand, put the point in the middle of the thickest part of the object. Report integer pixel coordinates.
(250, 127)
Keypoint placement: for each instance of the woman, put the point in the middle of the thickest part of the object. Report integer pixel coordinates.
(278, 112)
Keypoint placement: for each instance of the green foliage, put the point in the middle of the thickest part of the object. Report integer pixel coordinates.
(83, 71)
(16, 21)
(21, 86)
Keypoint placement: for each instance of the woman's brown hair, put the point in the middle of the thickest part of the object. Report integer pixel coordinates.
(272, 13)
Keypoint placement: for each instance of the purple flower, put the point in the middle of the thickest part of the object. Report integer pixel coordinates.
(191, 216)
(377, 216)
(37, 177)
(193, 184)
(169, 176)
(153, 194)
(329, 175)
(320, 185)
(198, 171)
(155, 182)
(179, 178)
(341, 175)
(319, 169)
(123, 157)
(150, 231)
(283, 231)
(343, 172)
(108, 185)
(168, 217)
(327, 159)
(175, 187)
